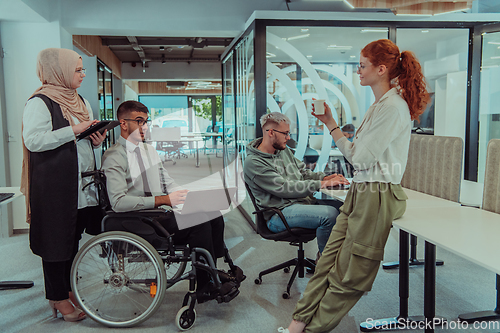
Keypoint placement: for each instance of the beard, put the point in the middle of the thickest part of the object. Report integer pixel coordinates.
(278, 146)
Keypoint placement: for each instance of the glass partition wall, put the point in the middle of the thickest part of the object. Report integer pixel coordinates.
(281, 65)
(489, 99)
(105, 95)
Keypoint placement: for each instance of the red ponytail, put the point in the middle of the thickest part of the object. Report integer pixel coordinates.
(405, 73)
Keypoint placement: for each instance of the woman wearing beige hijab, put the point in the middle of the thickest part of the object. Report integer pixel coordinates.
(58, 208)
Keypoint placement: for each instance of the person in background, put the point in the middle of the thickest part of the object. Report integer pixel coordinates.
(58, 208)
(349, 131)
(351, 258)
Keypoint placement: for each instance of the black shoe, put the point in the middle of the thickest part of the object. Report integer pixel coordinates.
(226, 293)
(238, 274)
(235, 275)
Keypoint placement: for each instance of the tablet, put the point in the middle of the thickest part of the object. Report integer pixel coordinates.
(100, 126)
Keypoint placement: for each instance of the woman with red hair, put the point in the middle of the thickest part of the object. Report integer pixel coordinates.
(379, 152)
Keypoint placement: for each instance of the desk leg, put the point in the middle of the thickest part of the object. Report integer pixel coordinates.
(484, 315)
(430, 289)
(403, 321)
(413, 257)
(197, 156)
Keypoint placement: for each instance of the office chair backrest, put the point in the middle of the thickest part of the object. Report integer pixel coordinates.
(491, 193)
(161, 134)
(434, 166)
(262, 228)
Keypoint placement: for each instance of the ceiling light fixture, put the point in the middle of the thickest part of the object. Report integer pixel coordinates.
(339, 47)
(309, 56)
(298, 37)
(373, 30)
(270, 55)
(495, 43)
(349, 4)
(495, 57)
(304, 30)
(425, 31)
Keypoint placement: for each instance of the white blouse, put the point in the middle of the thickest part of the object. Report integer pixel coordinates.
(39, 137)
(379, 152)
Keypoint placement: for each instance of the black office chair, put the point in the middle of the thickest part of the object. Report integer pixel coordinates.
(294, 236)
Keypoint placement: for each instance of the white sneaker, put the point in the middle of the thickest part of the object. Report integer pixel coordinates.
(283, 330)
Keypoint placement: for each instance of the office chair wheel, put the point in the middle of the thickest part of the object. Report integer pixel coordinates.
(286, 269)
(125, 286)
(185, 318)
(258, 281)
(286, 295)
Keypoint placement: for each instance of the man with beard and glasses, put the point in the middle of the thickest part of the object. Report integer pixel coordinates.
(277, 179)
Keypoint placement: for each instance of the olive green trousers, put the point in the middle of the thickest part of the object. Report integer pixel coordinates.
(352, 256)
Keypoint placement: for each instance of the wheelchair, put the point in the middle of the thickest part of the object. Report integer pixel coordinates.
(120, 276)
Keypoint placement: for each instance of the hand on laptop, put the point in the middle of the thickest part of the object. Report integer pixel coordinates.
(173, 199)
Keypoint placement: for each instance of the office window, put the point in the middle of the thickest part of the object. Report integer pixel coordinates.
(317, 62)
(489, 98)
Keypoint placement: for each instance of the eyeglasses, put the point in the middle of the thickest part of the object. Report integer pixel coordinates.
(81, 71)
(140, 122)
(360, 67)
(285, 133)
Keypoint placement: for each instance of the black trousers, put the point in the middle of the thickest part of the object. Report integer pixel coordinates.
(56, 274)
(208, 235)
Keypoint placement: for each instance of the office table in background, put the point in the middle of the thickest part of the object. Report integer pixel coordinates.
(3, 204)
(195, 139)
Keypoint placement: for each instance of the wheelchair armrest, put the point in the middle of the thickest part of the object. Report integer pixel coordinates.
(146, 215)
(281, 216)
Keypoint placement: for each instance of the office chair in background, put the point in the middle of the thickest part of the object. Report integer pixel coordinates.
(169, 141)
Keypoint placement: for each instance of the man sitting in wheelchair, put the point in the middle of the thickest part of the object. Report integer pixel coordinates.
(136, 180)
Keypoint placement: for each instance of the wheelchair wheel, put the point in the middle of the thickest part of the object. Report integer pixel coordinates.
(119, 279)
(185, 318)
(174, 270)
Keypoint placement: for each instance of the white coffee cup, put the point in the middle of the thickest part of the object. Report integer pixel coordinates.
(319, 106)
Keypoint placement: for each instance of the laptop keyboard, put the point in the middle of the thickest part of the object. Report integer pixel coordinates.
(5, 196)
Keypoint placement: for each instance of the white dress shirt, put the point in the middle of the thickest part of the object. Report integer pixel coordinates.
(379, 152)
(124, 180)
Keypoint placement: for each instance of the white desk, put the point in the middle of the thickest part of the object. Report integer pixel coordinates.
(196, 140)
(465, 231)
(5, 228)
(214, 136)
(468, 232)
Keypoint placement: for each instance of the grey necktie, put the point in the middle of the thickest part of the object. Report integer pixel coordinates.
(147, 190)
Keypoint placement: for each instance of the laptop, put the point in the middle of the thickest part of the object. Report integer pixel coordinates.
(210, 200)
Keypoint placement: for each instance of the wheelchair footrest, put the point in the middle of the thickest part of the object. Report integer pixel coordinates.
(226, 298)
